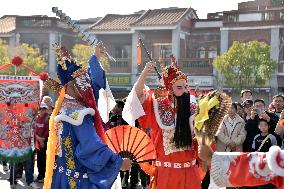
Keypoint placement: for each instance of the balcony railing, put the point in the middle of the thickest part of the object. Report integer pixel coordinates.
(193, 66)
(196, 66)
(122, 65)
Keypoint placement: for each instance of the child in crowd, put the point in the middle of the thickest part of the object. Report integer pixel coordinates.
(262, 142)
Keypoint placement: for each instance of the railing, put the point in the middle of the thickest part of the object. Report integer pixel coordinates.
(35, 22)
(196, 66)
(122, 65)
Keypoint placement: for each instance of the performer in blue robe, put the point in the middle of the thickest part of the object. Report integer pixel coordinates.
(82, 160)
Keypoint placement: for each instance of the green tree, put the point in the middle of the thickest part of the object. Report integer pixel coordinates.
(82, 54)
(246, 65)
(4, 57)
(31, 58)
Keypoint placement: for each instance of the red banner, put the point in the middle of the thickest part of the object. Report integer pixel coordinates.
(19, 99)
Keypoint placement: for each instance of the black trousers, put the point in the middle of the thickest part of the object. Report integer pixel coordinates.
(145, 179)
(41, 162)
(206, 181)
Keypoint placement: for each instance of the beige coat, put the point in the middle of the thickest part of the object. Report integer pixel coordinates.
(231, 131)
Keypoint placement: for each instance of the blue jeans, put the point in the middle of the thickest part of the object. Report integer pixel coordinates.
(28, 167)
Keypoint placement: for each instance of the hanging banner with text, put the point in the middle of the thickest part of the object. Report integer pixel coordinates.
(19, 99)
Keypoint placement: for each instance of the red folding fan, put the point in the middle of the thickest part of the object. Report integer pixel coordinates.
(131, 142)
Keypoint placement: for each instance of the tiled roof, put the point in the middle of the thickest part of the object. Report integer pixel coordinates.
(7, 24)
(160, 17)
(115, 22)
(88, 20)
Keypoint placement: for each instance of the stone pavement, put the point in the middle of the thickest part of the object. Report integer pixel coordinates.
(4, 183)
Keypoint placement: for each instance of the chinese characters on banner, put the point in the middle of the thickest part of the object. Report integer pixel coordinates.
(19, 98)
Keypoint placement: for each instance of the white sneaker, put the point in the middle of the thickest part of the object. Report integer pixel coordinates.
(33, 185)
(5, 168)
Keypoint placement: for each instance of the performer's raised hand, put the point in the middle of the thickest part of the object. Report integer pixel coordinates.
(150, 66)
(126, 165)
(100, 50)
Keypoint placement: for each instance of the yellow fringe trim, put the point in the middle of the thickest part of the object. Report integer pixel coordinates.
(51, 144)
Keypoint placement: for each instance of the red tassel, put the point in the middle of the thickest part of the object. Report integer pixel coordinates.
(139, 54)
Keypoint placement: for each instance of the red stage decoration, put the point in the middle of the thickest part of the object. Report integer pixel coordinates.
(131, 142)
(19, 97)
(17, 61)
(43, 76)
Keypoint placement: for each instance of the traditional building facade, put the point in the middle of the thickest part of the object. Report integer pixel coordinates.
(195, 42)
(164, 32)
(260, 20)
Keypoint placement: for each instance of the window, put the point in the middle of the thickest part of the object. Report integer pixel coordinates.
(44, 51)
(39, 22)
(232, 18)
(163, 50)
(122, 51)
(212, 52)
(201, 53)
(267, 16)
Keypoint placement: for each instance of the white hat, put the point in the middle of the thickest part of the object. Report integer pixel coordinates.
(47, 97)
(43, 105)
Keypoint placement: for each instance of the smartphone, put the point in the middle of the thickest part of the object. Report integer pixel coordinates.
(258, 111)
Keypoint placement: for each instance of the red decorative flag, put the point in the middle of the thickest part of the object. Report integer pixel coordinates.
(139, 53)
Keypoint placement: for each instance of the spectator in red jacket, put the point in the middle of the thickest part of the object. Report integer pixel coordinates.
(41, 136)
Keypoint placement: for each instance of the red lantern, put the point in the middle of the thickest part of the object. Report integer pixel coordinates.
(17, 61)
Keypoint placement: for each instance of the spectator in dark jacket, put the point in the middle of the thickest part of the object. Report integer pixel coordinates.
(278, 104)
(247, 107)
(258, 112)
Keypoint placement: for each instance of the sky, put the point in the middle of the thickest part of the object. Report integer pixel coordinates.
(81, 9)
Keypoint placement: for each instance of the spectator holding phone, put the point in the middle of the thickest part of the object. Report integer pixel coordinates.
(258, 112)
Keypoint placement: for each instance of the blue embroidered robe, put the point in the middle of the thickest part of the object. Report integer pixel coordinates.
(82, 160)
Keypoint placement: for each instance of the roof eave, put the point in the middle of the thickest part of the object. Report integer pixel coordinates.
(154, 27)
(111, 31)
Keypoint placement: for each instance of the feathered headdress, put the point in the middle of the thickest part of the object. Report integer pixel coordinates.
(212, 109)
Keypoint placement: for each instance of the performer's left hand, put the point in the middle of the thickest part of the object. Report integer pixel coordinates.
(126, 165)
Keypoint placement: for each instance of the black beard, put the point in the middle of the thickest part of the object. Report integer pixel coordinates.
(182, 136)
